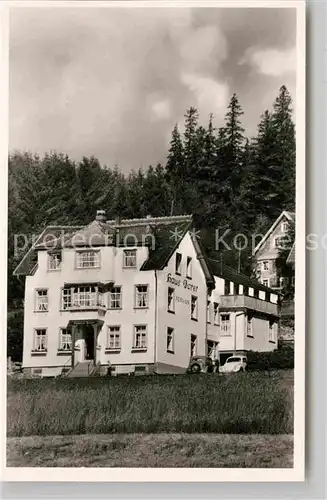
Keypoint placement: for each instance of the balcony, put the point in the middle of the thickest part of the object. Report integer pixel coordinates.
(85, 302)
(243, 301)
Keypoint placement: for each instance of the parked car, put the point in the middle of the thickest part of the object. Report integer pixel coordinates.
(201, 364)
(234, 364)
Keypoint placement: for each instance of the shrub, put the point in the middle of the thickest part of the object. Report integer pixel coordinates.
(282, 358)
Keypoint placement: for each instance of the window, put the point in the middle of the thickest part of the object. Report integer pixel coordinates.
(66, 296)
(170, 340)
(215, 313)
(115, 298)
(141, 296)
(265, 282)
(193, 345)
(256, 293)
(283, 281)
(40, 340)
(267, 296)
(81, 297)
(54, 261)
(227, 287)
(87, 259)
(65, 340)
(41, 300)
(194, 307)
(265, 265)
(284, 227)
(140, 337)
(178, 263)
(225, 325)
(171, 299)
(129, 258)
(208, 311)
(245, 290)
(189, 267)
(249, 331)
(236, 289)
(113, 338)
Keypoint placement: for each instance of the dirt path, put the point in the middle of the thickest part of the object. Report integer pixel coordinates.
(152, 450)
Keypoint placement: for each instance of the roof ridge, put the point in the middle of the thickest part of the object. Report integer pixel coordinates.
(147, 220)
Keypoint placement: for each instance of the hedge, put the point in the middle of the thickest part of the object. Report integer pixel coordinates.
(282, 358)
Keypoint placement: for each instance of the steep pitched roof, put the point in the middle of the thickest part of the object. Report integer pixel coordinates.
(50, 233)
(124, 232)
(166, 238)
(290, 216)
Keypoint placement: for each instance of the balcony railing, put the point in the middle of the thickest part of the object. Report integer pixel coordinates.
(239, 301)
(82, 300)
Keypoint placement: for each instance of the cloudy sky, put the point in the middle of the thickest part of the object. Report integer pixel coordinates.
(112, 82)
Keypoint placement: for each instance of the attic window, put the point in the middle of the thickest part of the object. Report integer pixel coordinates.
(284, 227)
(54, 261)
(178, 263)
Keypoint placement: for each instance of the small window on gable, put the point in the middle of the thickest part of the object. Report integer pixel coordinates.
(129, 258)
(189, 267)
(284, 227)
(54, 261)
(265, 265)
(178, 263)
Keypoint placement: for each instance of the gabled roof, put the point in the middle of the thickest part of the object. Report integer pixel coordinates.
(113, 232)
(290, 216)
(48, 234)
(166, 238)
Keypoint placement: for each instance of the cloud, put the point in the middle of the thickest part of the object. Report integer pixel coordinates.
(161, 109)
(211, 96)
(271, 62)
(112, 82)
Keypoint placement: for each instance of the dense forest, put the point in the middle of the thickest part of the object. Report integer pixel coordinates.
(226, 179)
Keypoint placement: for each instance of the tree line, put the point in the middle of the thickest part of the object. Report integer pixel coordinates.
(225, 178)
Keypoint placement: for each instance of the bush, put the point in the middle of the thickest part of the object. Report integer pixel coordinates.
(241, 403)
(282, 358)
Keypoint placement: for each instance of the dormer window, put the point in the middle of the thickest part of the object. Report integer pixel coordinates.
(87, 259)
(129, 258)
(178, 263)
(54, 261)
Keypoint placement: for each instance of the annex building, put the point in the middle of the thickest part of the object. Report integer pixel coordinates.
(139, 296)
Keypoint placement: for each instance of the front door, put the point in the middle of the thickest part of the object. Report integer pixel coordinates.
(89, 342)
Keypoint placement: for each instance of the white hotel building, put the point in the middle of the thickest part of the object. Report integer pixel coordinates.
(139, 296)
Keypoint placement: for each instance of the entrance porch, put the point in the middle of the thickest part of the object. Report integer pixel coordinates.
(84, 340)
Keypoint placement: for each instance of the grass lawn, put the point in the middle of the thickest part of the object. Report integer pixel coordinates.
(152, 450)
(249, 403)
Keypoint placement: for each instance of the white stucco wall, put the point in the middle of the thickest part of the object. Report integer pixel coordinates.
(181, 320)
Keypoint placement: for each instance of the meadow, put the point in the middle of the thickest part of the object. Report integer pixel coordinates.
(249, 403)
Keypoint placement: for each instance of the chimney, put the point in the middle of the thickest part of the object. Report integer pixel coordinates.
(101, 216)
